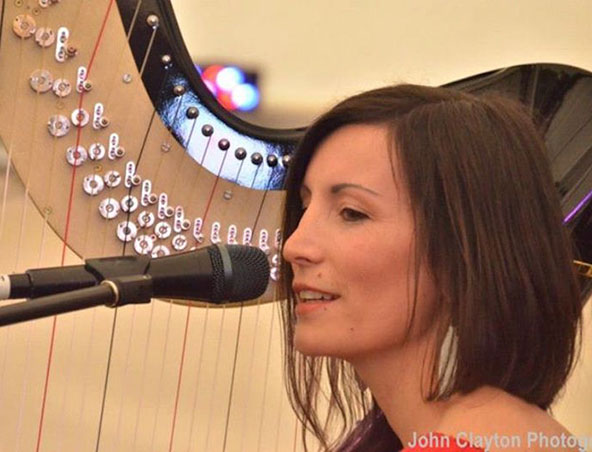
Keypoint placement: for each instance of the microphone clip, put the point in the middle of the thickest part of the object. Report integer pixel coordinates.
(134, 289)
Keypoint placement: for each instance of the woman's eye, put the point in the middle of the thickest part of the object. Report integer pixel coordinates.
(349, 214)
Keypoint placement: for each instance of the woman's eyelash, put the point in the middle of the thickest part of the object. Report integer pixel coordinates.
(350, 214)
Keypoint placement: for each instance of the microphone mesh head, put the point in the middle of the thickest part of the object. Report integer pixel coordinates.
(218, 278)
(250, 273)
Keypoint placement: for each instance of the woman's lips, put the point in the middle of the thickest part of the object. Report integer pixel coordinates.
(311, 305)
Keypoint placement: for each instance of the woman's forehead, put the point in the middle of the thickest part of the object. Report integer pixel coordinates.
(358, 153)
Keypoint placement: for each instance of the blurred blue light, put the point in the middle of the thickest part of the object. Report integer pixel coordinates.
(229, 77)
(245, 96)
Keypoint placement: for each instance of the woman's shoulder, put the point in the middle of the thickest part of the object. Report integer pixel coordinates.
(497, 421)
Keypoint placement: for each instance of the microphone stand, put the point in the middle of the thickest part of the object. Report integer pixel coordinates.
(113, 292)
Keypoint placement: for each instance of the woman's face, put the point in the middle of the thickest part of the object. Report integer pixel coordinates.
(352, 253)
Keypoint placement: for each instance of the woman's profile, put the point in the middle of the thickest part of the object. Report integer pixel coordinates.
(429, 280)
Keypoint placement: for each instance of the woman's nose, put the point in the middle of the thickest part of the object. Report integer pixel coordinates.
(303, 246)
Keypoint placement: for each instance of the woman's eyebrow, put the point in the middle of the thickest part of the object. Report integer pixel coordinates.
(339, 187)
(335, 189)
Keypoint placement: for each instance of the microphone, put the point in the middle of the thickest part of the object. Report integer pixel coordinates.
(215, 274)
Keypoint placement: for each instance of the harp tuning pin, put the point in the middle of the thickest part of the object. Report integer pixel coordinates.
(256, 158)
(24, 26)
(166, 60)
(109, 208)
(207, 130)
(44, 36)
(240, 153)
(163, 230)
(80, 117)
(179, 242)
(192, 112)
(286, 159)
(104, 121)
(126, 231)
(41, 80)
(143, 244)
(129, 203)
(274, 274)
(71, 51)
(87, 85)
(127, 78)
(223, 144)
(178, 90)
(112, 178)
(93, 184)
(145, 219)
(272, 160)
(152, 20)
(160, 251)
(58, 125)
(62, 87)
(76, 155)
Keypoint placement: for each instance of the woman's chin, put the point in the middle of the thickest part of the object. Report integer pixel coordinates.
(311, 346)
(317, 346)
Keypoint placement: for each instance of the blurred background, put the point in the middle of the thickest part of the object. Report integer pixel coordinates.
(309, 54)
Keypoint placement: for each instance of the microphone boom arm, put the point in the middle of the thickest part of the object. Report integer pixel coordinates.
(112, 292)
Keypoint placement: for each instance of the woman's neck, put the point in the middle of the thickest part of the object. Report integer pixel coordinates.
(394, 378)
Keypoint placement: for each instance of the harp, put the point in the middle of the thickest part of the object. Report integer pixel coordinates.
(115, 146)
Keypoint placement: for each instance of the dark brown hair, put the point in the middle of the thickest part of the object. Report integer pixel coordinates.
(488, 223)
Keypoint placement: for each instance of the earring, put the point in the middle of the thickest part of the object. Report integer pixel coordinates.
(447, 357)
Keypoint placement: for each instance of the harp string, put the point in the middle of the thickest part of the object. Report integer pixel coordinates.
(240, 318)
(199, 373)
(202, 342)
(66, 232)
(67, 229)
(188, 314)
(183, 160)
(108, 104)
(128, 216)
(218, 348)
(24, 387)
(143, 366)
(133, 21)
(9, 143)
(125, 377)
(169, 310)
(250, 371)
(238, 333)
(257, 308)
(241, 308)
(264, 398)
(216, 370)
